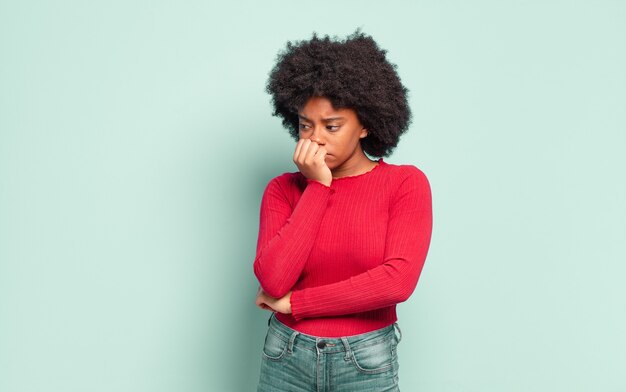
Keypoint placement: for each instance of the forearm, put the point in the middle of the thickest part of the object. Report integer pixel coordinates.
(282, 253)
(383, 286)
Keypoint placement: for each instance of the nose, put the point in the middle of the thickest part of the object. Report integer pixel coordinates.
(315, 137)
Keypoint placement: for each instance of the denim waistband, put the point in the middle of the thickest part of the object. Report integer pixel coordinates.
(329, 345)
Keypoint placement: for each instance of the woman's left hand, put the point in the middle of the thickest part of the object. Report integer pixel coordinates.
(280, 305)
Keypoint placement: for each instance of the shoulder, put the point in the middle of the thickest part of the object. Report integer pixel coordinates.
(411, 188)
(405, 173)
(287, 182)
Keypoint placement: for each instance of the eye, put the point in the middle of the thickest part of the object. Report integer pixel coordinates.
(302, 127)
(332, 128)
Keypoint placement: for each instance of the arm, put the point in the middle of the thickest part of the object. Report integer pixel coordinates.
(286, 236)
(408, 238)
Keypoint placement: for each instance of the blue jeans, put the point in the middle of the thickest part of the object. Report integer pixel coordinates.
(296, 362)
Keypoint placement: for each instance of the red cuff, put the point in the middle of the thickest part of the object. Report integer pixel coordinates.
(295, 304)
(310, 182)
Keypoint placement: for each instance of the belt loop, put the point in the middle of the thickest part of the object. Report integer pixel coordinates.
(399, 331)
(291, 340)
(346, 345)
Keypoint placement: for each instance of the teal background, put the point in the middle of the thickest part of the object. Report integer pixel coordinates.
(136, 139)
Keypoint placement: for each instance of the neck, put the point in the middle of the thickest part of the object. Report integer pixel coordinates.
(355, 165)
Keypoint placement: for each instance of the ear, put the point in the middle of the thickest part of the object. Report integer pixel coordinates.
(363, 133)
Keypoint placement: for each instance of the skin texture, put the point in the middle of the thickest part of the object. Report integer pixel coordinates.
(329, 147)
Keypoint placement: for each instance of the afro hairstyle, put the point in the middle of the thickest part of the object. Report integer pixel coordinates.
(352, 73)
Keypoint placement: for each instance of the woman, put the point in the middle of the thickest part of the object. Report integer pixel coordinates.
(343, 239)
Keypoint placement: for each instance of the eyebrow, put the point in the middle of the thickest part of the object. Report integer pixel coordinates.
(329, 119)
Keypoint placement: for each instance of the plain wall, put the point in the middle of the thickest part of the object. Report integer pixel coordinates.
(136, 140)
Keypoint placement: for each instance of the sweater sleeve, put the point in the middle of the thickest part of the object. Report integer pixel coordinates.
(286, 234)
(394, 280)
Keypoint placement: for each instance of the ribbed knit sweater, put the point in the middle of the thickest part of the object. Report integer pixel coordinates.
(349, 252)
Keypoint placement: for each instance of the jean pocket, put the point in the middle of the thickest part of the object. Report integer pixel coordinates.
(274, 347)
(376, 357)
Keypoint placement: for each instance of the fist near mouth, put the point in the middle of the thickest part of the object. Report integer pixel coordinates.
(310, 158)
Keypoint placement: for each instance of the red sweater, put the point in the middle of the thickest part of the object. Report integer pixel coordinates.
(349, 252)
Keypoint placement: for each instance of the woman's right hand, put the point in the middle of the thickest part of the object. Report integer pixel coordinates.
(310, 159)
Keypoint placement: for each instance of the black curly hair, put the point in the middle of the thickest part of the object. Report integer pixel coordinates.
(352, 73)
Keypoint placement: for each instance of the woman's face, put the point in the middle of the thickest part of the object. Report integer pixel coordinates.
(338, 130)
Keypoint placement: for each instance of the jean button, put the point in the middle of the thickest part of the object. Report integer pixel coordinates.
(321, 345)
